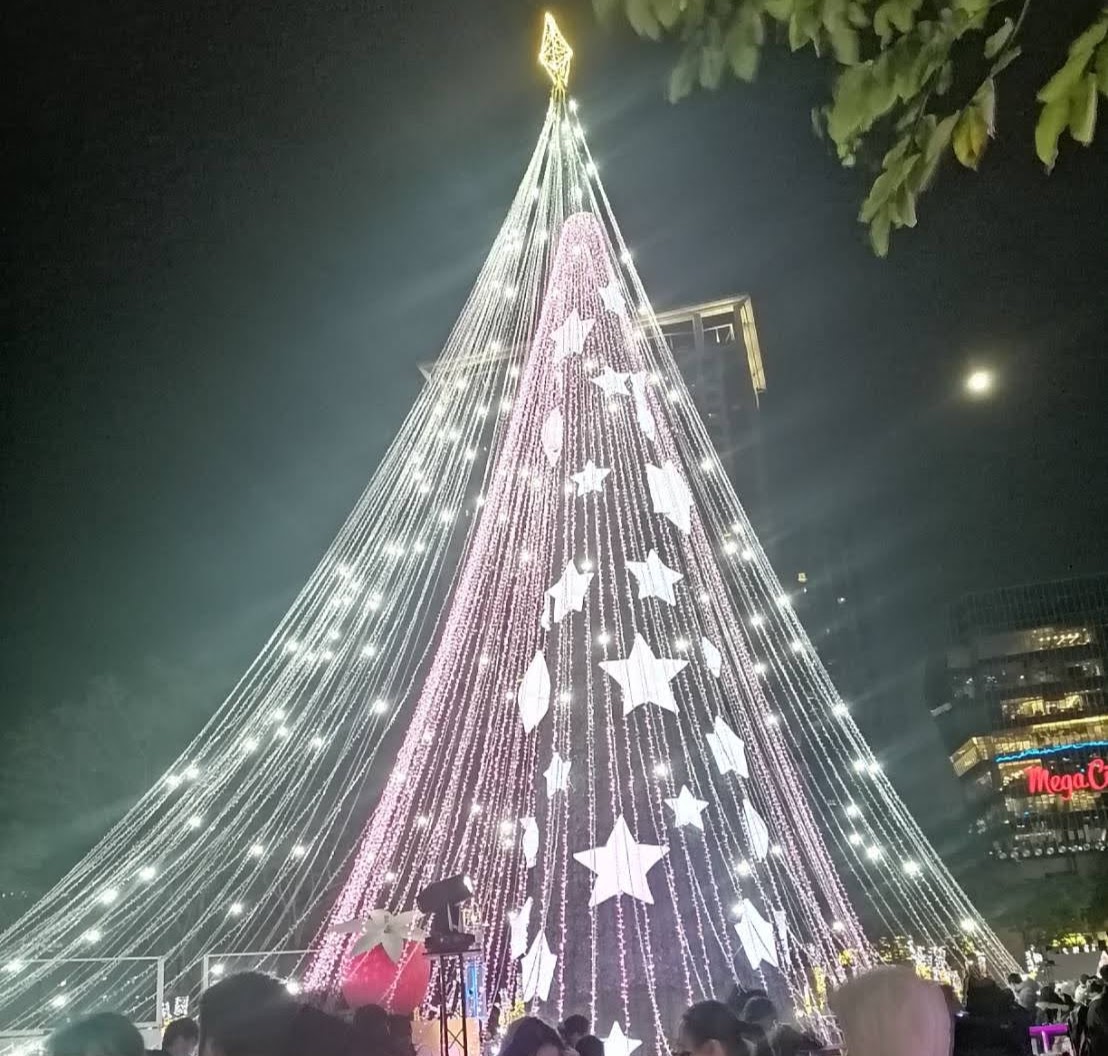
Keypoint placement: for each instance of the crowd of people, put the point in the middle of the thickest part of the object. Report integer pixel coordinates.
(889, 1011)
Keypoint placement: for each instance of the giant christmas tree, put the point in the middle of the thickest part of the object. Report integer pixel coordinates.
(615, 724)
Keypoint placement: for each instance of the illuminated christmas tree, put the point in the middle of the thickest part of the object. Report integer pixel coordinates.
(615, 724)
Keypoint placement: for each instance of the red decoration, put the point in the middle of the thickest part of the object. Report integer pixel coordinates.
(399, 987)
(1041, 781)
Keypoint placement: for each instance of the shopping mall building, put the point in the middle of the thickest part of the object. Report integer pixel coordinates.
(1022, 707)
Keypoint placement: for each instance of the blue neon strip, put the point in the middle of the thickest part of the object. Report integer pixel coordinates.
(1033, 753)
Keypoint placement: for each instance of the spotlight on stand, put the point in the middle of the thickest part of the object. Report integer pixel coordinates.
(442, 901)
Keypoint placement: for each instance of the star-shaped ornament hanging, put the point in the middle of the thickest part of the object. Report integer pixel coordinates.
(552, 435)
(669, 494)
(644, 678)
(756, 935)
(612, 296)
(621, 866)
(381, 928)
(568, 595)
(687, 808)
(534, 692)
(555, 54)
(712, 656)
(619, 1044)
(569, 338)
(536, 970)
(591, 478)
(643, 414)
(654, 579)
(611, 382)
(728, 749)
(557, 775)
(518, 922)
(530, 842)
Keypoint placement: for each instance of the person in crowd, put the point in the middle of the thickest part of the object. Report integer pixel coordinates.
(1027, 995)
(313, 1032)
(573, 1029)
(1093, 1038)
(589, 1045)
(382, 1034)
(181, 1037)
(1051, 1006)
(737, 999)
(783, 1039)
(993, 1024)
(891, 1011)
(530, 1036)
(1080, 992)
(248, 1014)
(1015, 981)
(102, 1034)
(711, 1028)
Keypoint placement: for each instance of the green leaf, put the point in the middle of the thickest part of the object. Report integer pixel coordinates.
(1006, 59)
(712, 61)
(640, 14)
(944, 78)
(667, 12)
(797, 39)
(906, 206)
(743, 40)
(844, 43)
(856, 15)
(683, 76)
(1062, 84)
(1083, 110)
(985, 101)
(781, 10)
(1093, 36)
(969, 137)
(879, 234)
(1052, 119)
(996, 41)
(1102, 68)
(939, 138)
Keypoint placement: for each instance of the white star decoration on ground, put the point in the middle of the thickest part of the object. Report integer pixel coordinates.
(621, 866)
(534, 692)
(619, 1044)
(728, 749)
(654, 579)
(611, 382)
(612, 297)
(569, 338)
(644, 678)
(669, 494)
(591, 478)
(687, 808)
(568, 594)
(382, 928)
(712, 656)
(756, 935)
(552, 436)
(556, 774)
(536, 970)
(518, 922)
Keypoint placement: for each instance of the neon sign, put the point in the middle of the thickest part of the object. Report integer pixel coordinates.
(1041, 782)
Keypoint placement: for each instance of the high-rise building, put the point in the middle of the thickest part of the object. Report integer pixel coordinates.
(717, 348)
(1021, 703)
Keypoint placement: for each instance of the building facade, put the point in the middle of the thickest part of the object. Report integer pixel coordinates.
(1022, 706)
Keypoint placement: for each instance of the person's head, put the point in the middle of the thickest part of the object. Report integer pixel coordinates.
(181, 1037)
(589, 1045)
(891, 1011)
(986, 999)
(530, 1036)
(1102, 971)
(1094, 989)
(710, 1028)
(249, 1014)
(761, 1012)
(1014, 978)
(1084, 978)
(102, 1034)
(573, 1028)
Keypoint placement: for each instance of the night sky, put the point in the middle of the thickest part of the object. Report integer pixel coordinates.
(234, 230)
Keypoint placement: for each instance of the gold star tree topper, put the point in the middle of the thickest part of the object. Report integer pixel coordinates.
(555, 54)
